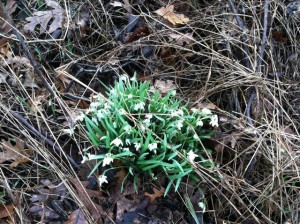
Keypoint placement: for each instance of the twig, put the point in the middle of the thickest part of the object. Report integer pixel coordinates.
(55, 146)
(241, 25)
(258, 70)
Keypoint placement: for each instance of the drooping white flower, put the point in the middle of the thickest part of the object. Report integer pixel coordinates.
(117, 142)
(94, 104)
(80, 117)
(102, 179)
(177, 113)
(133, 79)
(84, 159)
(191, 156)
(147, 122)
(107, 159)
(137, 146)
(152, 146)
(127, 141)
(69, 131)
(140, 105)
(130, 96)
(173, 93)
(179, 125)
(95, 120)
(127, 129)
(149, 116)
(195, 110)
(214, 121)
(199, 123)
(206, 111)
(123, 77)
(100, 114)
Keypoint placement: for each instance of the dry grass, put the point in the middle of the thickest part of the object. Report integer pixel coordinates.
(260, 173)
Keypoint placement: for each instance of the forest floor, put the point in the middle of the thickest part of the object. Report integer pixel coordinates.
(239, 59)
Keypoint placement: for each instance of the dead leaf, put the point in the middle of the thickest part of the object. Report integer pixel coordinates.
(76, 217)
(180, 39)
(232, 139)
(43, 18)
(210, 106)
(5, 12)
(164, 86)
(157, 193)
(85, 196)
(15, 153)
(6, 211)
(168, 14)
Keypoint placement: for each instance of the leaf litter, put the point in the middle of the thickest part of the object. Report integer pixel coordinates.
(191, 49)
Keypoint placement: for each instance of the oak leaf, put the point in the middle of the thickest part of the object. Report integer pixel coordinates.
(43, 18)
(15, 153)
(174, 18)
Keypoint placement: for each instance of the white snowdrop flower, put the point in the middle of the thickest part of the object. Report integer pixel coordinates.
(152, 146)
(123, 77)
(130, 96)
(115, 125)
(149, 116)
(94, 104)
(107, 106)
(117, 142)
(84, 159)
(173, 93)
(140, 105)
(133, 79)
(126, 149)
(199, 123)
(102, 179)
(195, 110)
(206, 111)
(127, 141)
(177, 112)
(137, 146)
(147, 122)
(152, 89)
(107, 159)
(179, 125)
(214, 121)
(127, 129)
(80, 117)
(69, 131)
(191, 156)
(122, 111)
(100, 114)
(94, 120)
(143, 128)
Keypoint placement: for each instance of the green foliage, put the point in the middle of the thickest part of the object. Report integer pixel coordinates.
(148, 132)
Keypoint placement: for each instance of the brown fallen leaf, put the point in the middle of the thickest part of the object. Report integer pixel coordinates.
(180, 39)
(174, 18)
(15, 153)
(157, 193)
(76, 217)
(43, 18)
(5, 12)
(6, 211)
(85, 196)
(164, 86)
(210, 106)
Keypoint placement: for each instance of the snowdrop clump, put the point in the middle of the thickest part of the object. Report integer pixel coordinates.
(149, 133)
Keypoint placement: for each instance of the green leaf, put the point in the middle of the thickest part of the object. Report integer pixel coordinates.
(168, 187)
